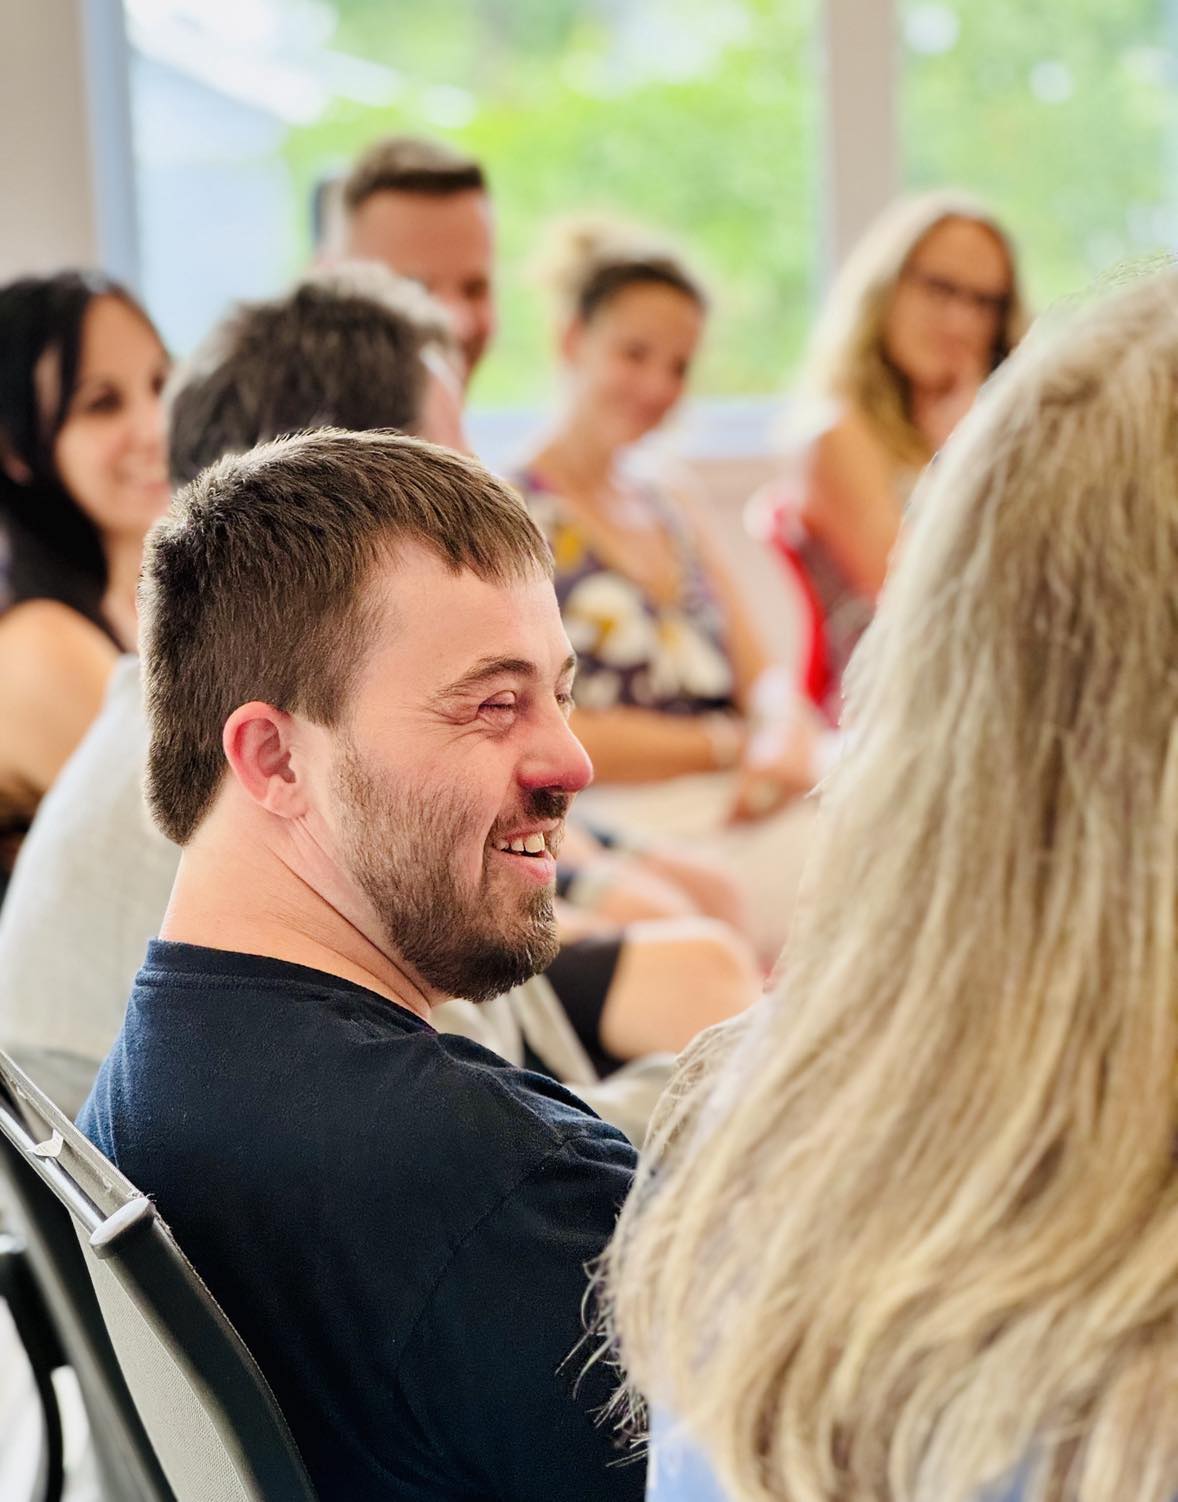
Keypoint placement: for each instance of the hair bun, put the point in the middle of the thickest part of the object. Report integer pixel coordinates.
(587, 251)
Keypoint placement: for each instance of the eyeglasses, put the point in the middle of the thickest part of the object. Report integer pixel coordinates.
(943, 290)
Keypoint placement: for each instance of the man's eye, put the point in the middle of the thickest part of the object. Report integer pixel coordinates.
(565, 700)
(498, 706)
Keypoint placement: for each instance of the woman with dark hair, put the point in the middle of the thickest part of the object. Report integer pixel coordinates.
(83, 474)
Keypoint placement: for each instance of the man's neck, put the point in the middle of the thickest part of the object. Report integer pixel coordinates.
(240, 895)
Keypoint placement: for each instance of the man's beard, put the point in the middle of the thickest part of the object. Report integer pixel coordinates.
(399, 849)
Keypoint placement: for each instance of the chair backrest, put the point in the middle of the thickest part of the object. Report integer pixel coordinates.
(210, 1415)
(125, 1459)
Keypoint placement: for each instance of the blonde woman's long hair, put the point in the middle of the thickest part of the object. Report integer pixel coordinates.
(847, 361)
(922, 1229)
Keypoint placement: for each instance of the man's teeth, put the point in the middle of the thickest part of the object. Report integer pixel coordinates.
(533, 844)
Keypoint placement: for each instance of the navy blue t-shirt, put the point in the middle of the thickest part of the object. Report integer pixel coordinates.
(397, 1222)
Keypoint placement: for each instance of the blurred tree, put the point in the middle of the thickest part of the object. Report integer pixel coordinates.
(695, 116)
(1063, 117)
(701, 117)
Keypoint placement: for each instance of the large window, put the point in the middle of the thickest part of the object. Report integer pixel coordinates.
(697, 116)
(1063, 116)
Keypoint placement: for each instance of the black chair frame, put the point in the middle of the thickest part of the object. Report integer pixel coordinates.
(38, 1339)
(139, 1249)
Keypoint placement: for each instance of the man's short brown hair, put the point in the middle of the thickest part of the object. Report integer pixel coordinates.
(411, 164)
(254, 585)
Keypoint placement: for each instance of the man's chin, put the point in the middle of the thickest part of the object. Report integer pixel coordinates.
(496, 971)
(480, 966)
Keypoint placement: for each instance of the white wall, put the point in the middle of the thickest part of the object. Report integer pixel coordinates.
(861, 144)
(46, 206)
(66, 182)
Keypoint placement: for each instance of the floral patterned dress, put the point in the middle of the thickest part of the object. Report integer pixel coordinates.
(632, 649)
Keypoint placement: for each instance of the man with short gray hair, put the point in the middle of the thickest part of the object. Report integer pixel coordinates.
(348, 346)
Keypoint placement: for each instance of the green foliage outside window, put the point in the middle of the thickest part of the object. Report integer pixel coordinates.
(702, 117)
(696, 116)
(1062, 116)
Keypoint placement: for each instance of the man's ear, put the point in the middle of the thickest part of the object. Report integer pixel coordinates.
(257, 741)
(570, 338)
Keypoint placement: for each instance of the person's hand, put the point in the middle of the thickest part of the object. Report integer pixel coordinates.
(937, 410)
(780, 765)
(576, 923)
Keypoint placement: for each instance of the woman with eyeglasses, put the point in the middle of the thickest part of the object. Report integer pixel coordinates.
(924, 308)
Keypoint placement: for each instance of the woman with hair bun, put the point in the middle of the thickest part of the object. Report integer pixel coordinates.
(83, 474)
(692, 729)
(910, 1232)
(924, 309)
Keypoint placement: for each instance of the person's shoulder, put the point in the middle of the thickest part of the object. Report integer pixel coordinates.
(441, 1094)
(472, 1130)
(849, 456)
(848, 430)
(49, 626)
(528, 1108)
(44, 644)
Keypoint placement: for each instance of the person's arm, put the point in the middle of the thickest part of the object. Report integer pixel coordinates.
(850, 503)
(54, 669)
(495, 1370)
(779, 759)
(627, 744)
(747, 649)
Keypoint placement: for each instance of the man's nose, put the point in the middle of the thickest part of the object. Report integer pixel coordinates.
(556, 758)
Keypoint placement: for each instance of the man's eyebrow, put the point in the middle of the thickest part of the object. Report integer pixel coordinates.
(499, 667)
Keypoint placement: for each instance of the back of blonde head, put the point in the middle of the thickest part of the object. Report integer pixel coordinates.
(923, 1229)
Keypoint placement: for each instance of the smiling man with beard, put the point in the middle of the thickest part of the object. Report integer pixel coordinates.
(358, 688)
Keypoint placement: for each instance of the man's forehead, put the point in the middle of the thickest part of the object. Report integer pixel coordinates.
(439, 622)
(406, 224)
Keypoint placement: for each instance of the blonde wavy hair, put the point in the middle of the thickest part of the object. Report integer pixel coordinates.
(847, 361)
(921, 1230)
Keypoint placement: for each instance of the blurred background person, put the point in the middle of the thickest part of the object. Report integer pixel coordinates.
(358, 347)
(83, 474)
(674, 683)
(924, 309)
(919, 1238)
(423, 208)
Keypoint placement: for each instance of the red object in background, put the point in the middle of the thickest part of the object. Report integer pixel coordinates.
(777, 525)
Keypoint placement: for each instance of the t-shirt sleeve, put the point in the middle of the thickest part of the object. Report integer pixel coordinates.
(678, 1471)
(494, 1369)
